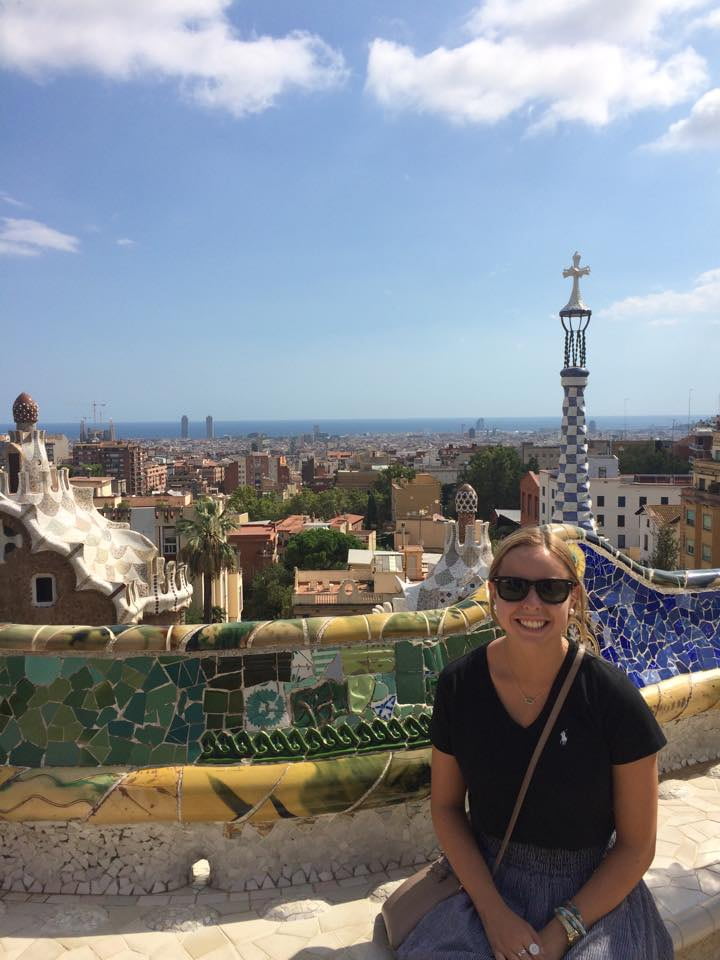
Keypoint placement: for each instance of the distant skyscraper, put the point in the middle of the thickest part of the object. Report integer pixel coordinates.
(593, 426)
(184, 427)
(209, 433)
(480, 424)
(316, 431)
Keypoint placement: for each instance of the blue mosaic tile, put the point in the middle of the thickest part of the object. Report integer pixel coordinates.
(652, 635)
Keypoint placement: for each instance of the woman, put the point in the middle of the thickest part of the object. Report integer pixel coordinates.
(563, 888)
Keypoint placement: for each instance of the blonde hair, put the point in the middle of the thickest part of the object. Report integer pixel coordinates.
(544, 538)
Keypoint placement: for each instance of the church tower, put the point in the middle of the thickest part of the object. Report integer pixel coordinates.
(572, 501)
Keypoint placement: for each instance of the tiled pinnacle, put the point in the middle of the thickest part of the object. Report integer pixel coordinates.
(572, 501)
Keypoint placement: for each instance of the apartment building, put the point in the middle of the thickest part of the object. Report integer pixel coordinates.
(616, 499)
(120, 460)
(699, 535)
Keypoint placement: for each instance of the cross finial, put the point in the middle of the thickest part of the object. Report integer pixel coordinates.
(575, 303)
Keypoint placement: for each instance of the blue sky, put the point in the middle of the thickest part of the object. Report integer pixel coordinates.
(348, 209)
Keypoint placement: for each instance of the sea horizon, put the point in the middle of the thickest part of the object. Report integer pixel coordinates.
(414, 426)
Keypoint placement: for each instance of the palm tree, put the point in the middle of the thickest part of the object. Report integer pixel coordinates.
(206, 550)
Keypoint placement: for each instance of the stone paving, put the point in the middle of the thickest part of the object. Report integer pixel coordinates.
(340, 919)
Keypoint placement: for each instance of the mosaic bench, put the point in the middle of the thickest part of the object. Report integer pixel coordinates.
(289, 751)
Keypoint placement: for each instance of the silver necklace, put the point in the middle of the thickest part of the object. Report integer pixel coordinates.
(526, 697)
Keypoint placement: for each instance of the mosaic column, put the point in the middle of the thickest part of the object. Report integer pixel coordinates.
(572, 500)
(466, 508)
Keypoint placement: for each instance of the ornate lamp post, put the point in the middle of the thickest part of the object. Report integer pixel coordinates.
(572, 502)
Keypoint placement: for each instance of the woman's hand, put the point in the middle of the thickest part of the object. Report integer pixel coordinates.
(554, 940)
(510, 936)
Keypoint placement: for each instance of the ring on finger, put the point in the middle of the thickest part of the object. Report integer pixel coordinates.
(534, 949)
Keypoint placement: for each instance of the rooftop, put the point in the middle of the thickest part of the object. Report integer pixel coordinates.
(663, 513)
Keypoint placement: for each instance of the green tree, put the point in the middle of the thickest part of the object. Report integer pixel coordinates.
(646, 458)
(371, 512)
(665, 554)
(271, 506)
(269, 595)
(532, 465)
(320, 550)
(494, 473)
(88, 470)
(448, 500)
(206, 550)
(194, 614)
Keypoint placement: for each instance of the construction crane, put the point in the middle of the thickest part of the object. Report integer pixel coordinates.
(95, 406)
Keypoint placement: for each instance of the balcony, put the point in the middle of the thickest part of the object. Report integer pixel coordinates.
(709, 498)
(709, 467)
(677, 479)
(322, 599)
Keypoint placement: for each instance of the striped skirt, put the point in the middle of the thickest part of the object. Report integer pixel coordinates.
(533, 881)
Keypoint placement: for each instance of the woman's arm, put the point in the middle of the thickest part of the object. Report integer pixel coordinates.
(635, 799)
(507, 933)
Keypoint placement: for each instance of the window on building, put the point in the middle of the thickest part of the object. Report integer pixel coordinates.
(690, 517)
(621, 541)
(621, 520)
(600, 519)
(601, 500)
(706, 552)
(643, 501)
(645, 543)
(543, 490)
(43, 587)
(701, 483)
(169, 541)
(543, 508)
(602, 473)
(621, 501)
(707, 521)
(664, 500)
(690, 549)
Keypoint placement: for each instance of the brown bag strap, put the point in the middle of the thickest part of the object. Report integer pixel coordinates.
(559, 701)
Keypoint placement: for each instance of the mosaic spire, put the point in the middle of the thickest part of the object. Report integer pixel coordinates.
(572, 501)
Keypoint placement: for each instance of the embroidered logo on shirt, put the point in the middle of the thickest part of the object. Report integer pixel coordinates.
(563, 738)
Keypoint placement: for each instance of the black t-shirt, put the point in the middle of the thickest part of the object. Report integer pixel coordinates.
(569, 804)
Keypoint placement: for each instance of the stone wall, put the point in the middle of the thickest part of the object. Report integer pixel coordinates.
(71, 606)
(153, 858)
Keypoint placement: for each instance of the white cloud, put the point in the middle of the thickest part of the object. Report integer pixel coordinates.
(11, 201)
(700, 129)
(125, 242)
(188, 41)
(670, 307)
(711, 21)
(563, 60)
(570, 21)
(28, 238)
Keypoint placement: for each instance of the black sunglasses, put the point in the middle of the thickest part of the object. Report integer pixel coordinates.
(550, 590)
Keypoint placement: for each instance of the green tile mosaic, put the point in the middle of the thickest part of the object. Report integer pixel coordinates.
(42, 670)
(360, 691)
(159, 708)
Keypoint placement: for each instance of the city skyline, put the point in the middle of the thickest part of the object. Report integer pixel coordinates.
(252, 194)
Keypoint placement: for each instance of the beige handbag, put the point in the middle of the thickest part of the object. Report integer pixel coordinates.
(405, 908)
